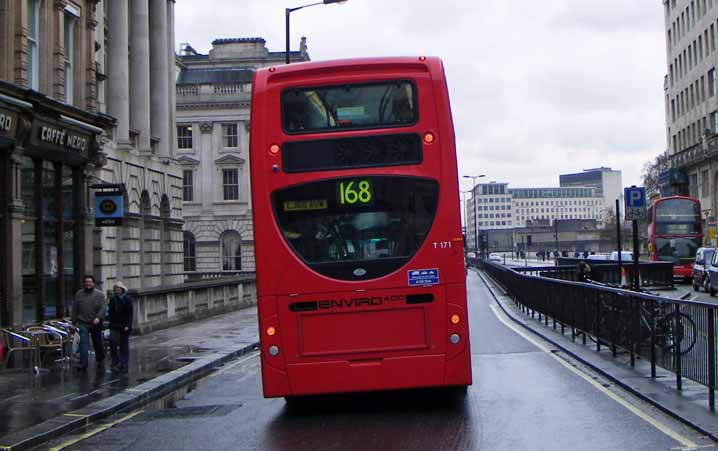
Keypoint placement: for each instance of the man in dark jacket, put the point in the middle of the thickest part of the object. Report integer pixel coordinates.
(87, 312)
(120, 317)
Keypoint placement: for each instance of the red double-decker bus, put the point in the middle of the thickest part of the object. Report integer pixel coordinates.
(675, 232)
(355, 201)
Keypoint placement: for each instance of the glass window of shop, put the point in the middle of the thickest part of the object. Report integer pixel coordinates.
(48, 239)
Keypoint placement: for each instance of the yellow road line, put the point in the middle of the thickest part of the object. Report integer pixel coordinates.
(685, 442)
(74, 415)
(94, 431)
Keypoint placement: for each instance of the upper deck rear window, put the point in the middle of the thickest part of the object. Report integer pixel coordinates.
(349, 106)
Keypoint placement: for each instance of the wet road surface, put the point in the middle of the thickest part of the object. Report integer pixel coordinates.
(524, 397)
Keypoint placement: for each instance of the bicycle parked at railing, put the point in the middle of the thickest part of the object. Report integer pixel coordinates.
(671, 328)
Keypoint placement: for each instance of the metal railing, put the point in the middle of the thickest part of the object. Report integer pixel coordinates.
(679, 336)
(652, 274)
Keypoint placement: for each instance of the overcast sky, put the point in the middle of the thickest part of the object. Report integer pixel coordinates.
(537, 88)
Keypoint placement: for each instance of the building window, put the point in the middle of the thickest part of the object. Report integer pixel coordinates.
(187, 188)
(70, 21)
(704, 183)
(190, 252)
(231, 251)
(33, 27)
(230, 183)
(714, 122)
(693, 186)
(184, 136)
(229, 135)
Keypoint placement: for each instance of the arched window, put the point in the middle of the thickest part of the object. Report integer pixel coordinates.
(231, 251)
(190, 252)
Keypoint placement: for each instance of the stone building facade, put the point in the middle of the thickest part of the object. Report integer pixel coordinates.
(136, 84)
(212, 147)
(51, 143)
(691, 104)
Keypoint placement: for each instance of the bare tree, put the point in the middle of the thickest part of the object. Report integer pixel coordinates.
(651, 171)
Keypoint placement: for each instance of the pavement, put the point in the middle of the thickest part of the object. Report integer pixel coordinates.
(35, 408)
(689, 405)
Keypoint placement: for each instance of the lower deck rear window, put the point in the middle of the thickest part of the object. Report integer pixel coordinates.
(356, 228)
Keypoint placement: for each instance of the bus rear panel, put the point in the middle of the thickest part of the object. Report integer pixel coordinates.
(359, 252)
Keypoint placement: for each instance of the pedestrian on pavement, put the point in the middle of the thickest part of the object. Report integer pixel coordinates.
(87, 313)
(583, 272)
(120, 317)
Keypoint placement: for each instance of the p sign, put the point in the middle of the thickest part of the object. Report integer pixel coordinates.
(635, 200)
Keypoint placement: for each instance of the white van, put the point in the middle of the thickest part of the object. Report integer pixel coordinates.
(625, 256)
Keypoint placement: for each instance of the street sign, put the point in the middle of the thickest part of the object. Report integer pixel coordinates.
(635, 202)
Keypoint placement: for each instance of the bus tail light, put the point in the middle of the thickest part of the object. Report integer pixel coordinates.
(274, 149)
(429, 138)
(422, 58)
(271, 331)
(455, 319)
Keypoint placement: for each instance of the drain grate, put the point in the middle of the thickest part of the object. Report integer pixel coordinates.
(195, 411)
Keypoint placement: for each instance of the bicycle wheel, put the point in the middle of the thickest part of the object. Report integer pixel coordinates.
(686, 335)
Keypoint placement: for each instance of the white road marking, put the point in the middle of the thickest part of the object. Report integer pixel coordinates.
(686, 443)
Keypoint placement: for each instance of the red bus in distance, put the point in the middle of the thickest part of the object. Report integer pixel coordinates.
(358, 245)
(675, 232)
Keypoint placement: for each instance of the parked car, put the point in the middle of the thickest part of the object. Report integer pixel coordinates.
(710, 270)
(704, 255)
(597, 257)
(494, 257)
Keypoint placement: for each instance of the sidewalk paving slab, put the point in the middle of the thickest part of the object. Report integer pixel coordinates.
(689, 405)
(35, 409)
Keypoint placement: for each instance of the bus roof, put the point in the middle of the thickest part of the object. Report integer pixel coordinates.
(377, 63)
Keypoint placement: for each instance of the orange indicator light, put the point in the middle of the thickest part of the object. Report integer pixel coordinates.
(428, 138)
(271, 331)
(455, 319)
(274, 149)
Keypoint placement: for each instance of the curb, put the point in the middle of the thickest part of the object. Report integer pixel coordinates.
(662, 407)
(129, 398)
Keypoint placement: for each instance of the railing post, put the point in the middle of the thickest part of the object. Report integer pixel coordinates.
(711, 360)
(634, 329)
(584, 315)
(677, 347)
(598, 322)
(653, 340)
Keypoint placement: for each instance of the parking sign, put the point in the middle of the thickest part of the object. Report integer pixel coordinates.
(635, 202)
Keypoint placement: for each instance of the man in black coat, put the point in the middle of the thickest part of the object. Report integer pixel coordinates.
(120, 318)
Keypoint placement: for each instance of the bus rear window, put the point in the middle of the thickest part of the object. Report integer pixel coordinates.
(349, 106)
(356, 228)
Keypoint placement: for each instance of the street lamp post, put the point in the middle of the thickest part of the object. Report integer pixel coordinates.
(288, 11)
(473, 199)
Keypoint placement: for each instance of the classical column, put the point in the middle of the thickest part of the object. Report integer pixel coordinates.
(171, 74)
(117, 68)
(140, 73)
(160, 122)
